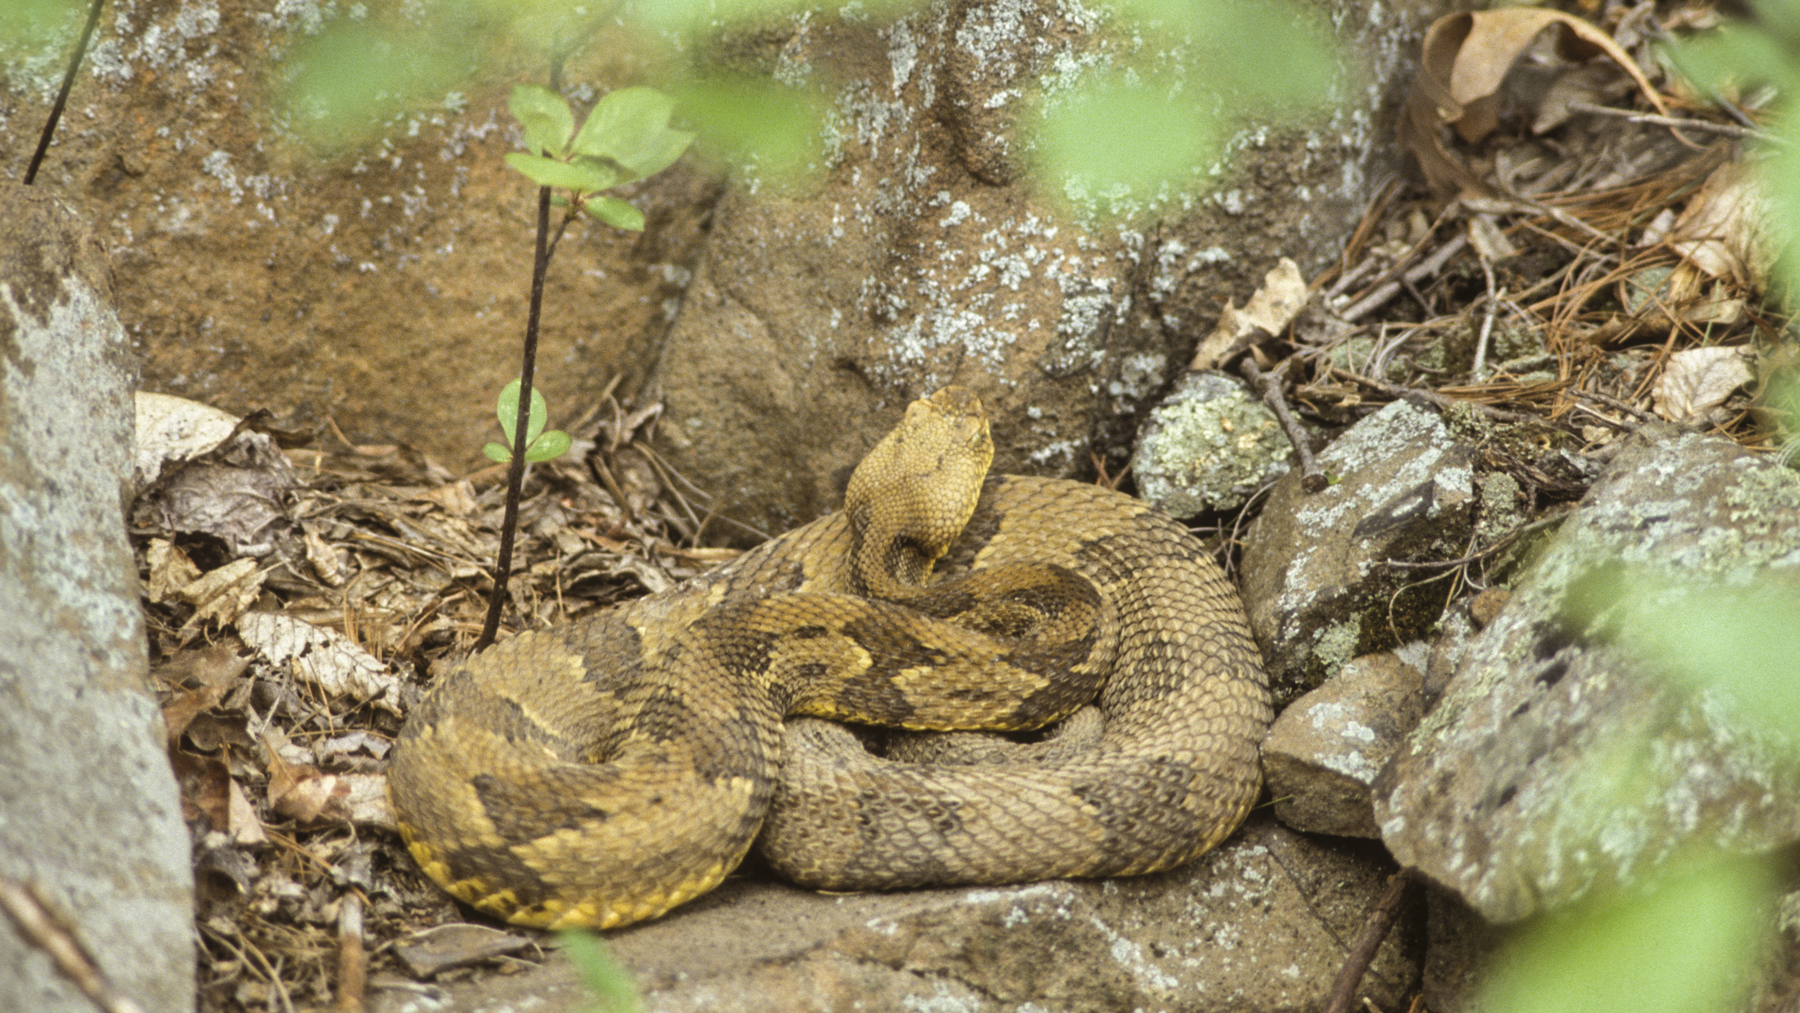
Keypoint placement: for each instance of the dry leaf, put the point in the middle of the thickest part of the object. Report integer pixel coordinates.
(1724, 231)
(1697, 380)
(245, 827)
(223, 594)
(174, 429)
(170, 570)
(1270, 310)
(199, 679)
(304, 793)
(322, 657)
(457, 498)
(1465, 58)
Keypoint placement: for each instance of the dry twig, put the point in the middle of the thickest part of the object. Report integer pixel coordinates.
(42, 928)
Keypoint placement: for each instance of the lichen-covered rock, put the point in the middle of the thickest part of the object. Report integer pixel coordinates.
(1255, 926)
(1324, 752)
(90, 816)
(1208, 446)
(1316, 584)
(383, 288)
(923, 258)
(1558, 764)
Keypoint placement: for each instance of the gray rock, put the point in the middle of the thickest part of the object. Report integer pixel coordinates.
(924, 257)
(1257, 925)
(1557, 765)
(1324, 752)
(89, 811)
(1315, 580)
(1208, 446)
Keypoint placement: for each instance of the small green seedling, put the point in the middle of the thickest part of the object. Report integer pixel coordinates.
(539, 445)
(611, 985)
(625, 138)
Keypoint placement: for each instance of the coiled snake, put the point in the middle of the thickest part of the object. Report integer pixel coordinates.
(603, 772)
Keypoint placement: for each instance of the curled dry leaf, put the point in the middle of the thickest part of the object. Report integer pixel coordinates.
(1726, 230)
(170, 570)
(223, 594)
(174, 429)
(302, 792)
(1465, 58)
(1697, 380)
(322, 657)
(1269, 311)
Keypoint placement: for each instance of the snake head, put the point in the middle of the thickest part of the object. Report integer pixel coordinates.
(914, 492)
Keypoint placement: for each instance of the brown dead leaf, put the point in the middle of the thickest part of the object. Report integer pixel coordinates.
(457, 498)
(1270, 309)
(1725, 230)
(245, 827)
(223, 594)
(1465, 58)
(205, 788)
(170, 570)
(198, 680)
(1697, 380)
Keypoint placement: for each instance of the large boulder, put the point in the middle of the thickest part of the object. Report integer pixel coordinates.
(90, 817)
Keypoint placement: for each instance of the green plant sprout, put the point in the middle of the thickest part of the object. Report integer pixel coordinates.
(624, 139)
(539, 445)
(611, 985)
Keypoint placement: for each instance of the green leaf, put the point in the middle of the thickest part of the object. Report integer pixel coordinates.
(549, 446)
(611, 984)
(630, 127)
(495, 452)
(546, 117)
(342, 86)
(618, 213)
(584, 175)
(508, 412)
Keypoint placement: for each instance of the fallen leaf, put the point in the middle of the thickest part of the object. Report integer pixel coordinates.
(223, 594)
(245, 827)
(1725, 230)
(322, 657)
(1270, 309)
(198, 681)
(170, 570)
(174, 429)
(1464, 60)
(1697, 380)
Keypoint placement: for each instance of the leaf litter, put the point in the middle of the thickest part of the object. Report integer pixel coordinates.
(1588, 256)
(287, 652)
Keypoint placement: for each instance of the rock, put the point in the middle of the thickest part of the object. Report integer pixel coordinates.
(1324, 752)
(1557, 765)
(1257, 925)
(923, 258)
(1459, 947)
(1315, 580)
(383, 288)
(1208, 446)
(89, 811)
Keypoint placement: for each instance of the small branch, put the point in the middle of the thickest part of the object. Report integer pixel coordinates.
(62, 94)
(40, 927)
(1394, 390)
(1612, 402)
(1418, 272)
(353, 965)
(1368, 942)
(515, 475)
(1311, 478)
(1676, 123)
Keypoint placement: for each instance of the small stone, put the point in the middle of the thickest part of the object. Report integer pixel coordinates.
(1326, 749)
(1486, 605)
(1209, 446)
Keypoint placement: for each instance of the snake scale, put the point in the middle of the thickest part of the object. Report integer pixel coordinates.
(605, 771)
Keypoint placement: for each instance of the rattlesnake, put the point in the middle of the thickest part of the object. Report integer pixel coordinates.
(608, 770)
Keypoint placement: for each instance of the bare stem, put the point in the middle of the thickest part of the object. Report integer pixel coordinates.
(62, 94)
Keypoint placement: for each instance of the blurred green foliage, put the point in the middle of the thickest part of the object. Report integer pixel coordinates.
(1688, 944)
(610, 984)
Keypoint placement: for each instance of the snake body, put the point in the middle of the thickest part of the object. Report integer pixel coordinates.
(603, 772)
